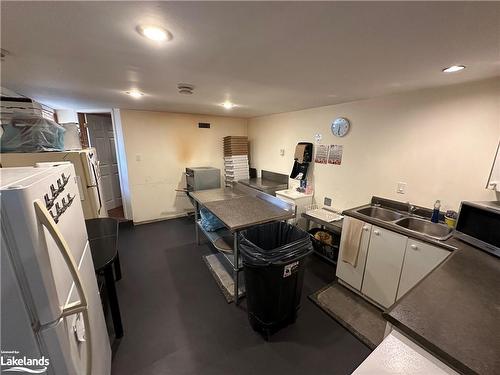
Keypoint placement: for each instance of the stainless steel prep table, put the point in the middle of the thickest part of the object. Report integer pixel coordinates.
(265, 185)
(269, 182)
(335, 226)
(238, 211)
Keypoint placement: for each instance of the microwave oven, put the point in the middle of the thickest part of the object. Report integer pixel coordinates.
(479, 225)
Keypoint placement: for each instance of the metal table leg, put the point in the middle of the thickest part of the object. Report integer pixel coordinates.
(196, 213)
(236, 269)
(109, 279)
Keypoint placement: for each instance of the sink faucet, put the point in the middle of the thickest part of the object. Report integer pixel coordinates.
(411, 208)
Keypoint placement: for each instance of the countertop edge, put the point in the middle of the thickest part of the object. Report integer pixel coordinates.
(419, 337)
(429, 346)
(241, 227)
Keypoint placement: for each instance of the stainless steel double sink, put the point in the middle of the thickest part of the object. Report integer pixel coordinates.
(407, 221)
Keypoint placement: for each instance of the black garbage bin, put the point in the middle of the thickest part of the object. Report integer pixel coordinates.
(273, 264)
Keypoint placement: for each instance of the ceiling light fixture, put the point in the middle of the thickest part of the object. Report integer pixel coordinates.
(136, 94)
(156, 33)
(228, 105)
(453, 68)
(185, 88)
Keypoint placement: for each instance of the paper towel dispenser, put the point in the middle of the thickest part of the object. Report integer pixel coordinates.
(302, 158)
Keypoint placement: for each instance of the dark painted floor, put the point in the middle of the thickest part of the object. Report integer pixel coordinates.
(176, 320)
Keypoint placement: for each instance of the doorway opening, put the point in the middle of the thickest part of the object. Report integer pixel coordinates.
(99, 134)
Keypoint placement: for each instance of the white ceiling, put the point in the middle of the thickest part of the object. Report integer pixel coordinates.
(266, 57)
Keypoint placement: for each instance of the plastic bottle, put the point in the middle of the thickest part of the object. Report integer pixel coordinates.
(435, 212)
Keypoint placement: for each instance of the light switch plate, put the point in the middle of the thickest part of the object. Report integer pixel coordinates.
(401, 188)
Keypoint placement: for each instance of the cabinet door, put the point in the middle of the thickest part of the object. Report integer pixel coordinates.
(346, 272)
(420, 259)
(383, 266)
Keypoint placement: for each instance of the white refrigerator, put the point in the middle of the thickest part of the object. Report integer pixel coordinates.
(51, 314)
(87, 170)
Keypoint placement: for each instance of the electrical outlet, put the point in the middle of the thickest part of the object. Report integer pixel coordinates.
(282, 152)
(327, 201)
(401, 189)
(138, 157)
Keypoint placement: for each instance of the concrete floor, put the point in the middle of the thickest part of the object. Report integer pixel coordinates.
(176, 320)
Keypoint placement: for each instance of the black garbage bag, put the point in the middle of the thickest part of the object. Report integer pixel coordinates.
(273, 243)
(273, 263)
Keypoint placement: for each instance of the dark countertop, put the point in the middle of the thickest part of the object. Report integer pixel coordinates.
(246, 211)
(454, 312)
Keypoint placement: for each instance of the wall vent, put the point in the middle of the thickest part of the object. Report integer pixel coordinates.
(185, 88)
(204, 125)
(3, 54)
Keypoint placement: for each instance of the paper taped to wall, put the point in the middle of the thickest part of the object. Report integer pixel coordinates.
(321, 154)
(335, 154)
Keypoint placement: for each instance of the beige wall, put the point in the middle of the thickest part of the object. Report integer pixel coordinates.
(159, 146)
(441, 142)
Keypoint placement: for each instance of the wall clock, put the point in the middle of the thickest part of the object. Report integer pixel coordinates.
(340, 126)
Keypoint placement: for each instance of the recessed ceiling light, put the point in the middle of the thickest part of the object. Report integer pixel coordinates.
(136, 94)
(228, 105)
(453, 68)
(156, 33)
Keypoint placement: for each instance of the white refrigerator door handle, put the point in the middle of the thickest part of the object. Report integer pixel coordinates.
(79, 306)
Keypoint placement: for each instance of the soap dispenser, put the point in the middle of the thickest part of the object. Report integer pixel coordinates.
(435, 212)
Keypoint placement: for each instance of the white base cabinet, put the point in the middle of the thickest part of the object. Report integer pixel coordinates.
(420, 259)
(383, 266)
(345, 271)
(389, 264)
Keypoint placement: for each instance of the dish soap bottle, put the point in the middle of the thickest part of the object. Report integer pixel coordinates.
(435, 212)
